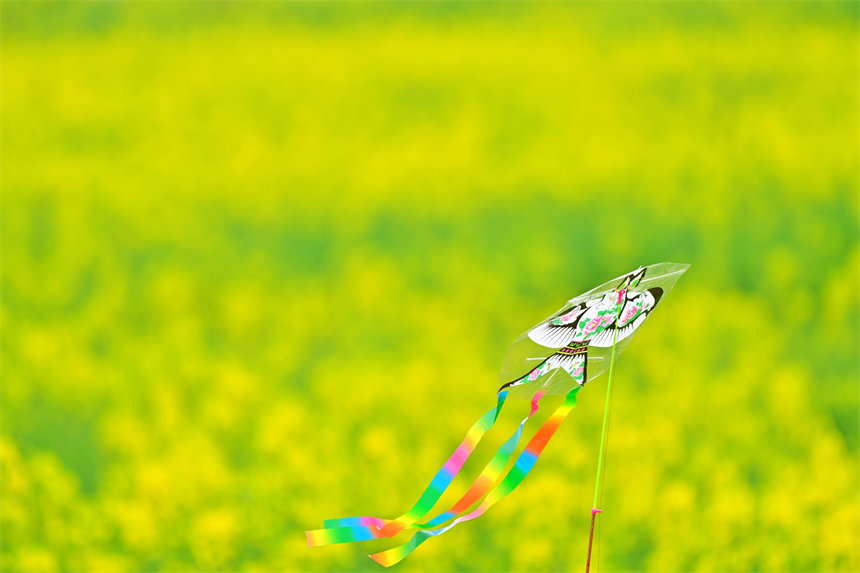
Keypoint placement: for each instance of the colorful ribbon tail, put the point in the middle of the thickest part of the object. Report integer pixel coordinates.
(363, 528)
(522, 466)
(488, 476)
(318, 537)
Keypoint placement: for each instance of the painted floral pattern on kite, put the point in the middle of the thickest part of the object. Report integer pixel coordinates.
(597, 321)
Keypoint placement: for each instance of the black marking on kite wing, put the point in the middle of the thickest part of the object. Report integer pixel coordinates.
(557, 361)
(519, 381)
(566, 361)
(606, 337)
(557, 336)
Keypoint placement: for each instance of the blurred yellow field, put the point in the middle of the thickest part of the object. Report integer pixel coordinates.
(261, 263)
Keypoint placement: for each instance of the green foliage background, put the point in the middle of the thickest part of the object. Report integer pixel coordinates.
(261, 263)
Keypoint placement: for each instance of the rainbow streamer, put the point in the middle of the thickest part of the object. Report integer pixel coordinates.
(364, 528)
(488, 476)
(523, 465)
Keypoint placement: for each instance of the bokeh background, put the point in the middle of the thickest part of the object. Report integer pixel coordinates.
(261, 263)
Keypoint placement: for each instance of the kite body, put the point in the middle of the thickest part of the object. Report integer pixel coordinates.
(614, 310)
(557, 356)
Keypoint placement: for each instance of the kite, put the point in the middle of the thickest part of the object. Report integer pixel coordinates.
(558, 356)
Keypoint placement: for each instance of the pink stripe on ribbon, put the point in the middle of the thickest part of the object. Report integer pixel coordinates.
(535, 398)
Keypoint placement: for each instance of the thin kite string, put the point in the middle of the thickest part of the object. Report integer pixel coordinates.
(602, 481)
(604, 433)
